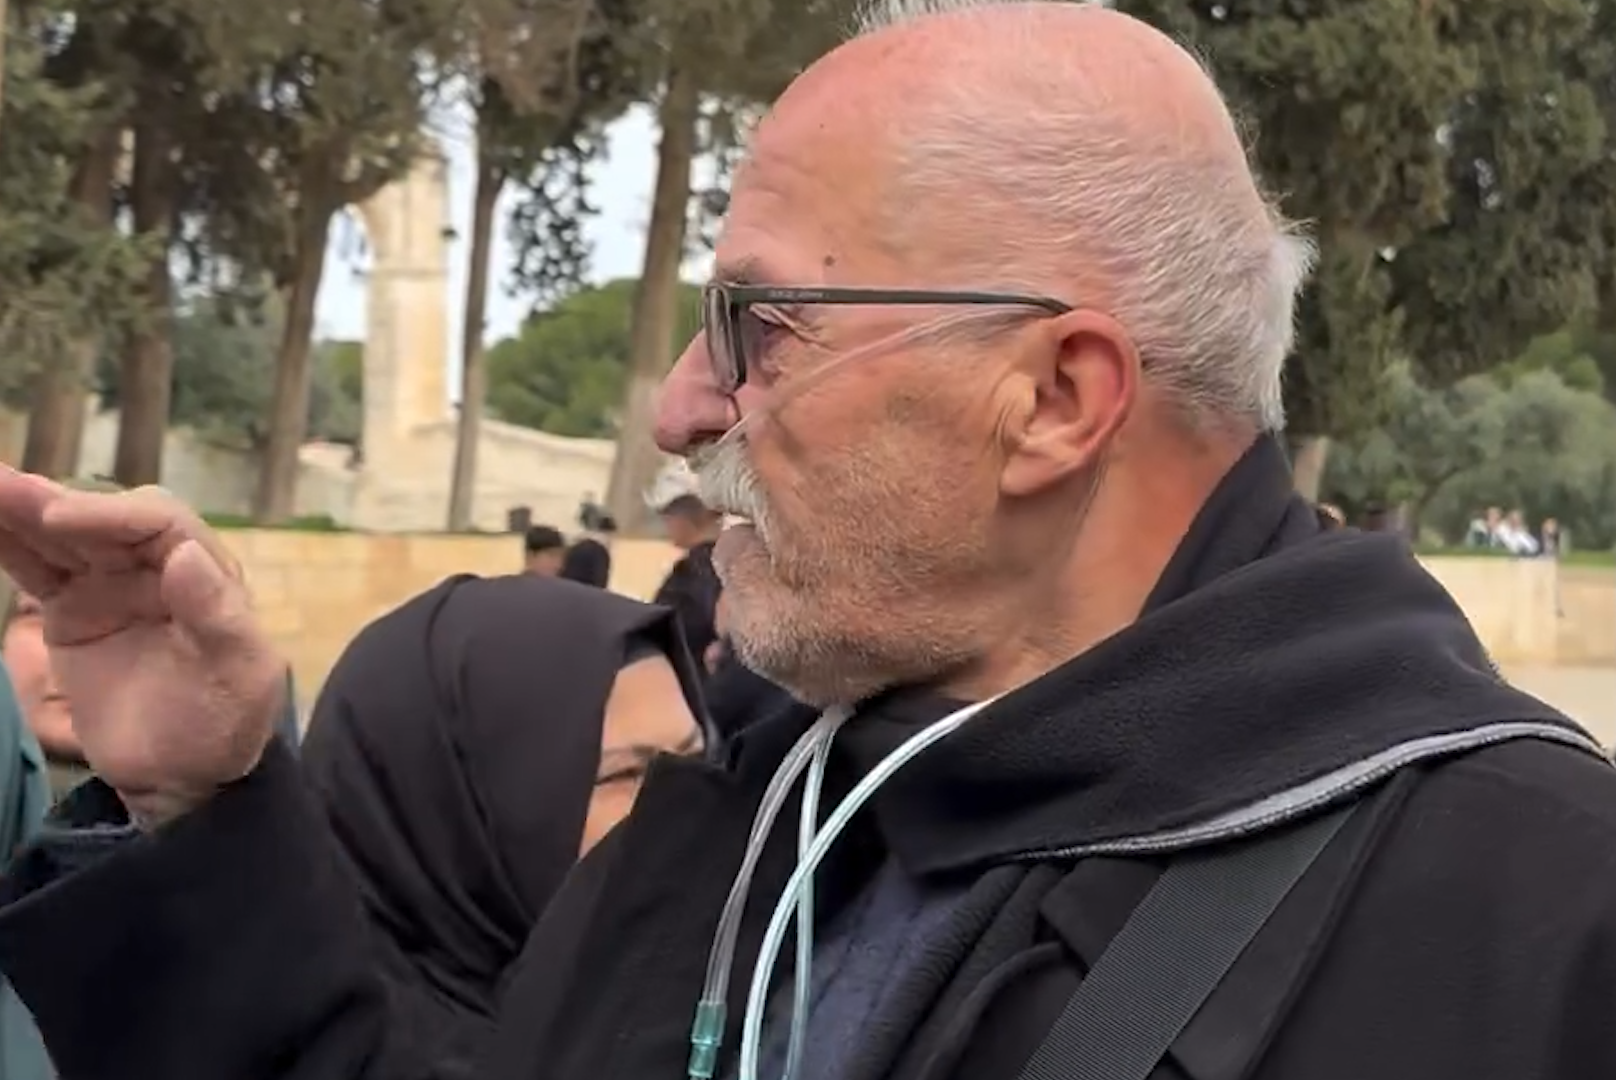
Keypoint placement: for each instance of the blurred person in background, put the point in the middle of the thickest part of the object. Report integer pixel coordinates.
(543, 549)
(1515, 537)
(1550, 542)
(691, 588)
(588, 562)
(595, 521)
(45, 708)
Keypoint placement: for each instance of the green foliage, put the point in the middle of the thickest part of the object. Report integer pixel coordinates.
(1522, 439)
(547, 83)
(1590, 343)
(224, 376)
(1346, 98)
(320, 523)
(336, 111)
(345, 362)
(1565, 353)
(1428, 437)
(550, 253)
(1589, 215)
(1451, 158)
(745, 52)
(564, 373)
(61, 276)
(1505, 263)
(773, 41)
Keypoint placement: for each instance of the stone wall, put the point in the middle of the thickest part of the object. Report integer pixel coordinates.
(1533, 611)
(1510, 602)
(402, 487)
(1588, 616)
(314, 591)
(214, 478)
(549, 474)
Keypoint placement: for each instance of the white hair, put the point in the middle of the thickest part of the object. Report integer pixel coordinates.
(882, 14)
(1206, 289)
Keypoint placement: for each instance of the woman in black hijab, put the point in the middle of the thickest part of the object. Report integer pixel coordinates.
(468, 747)
(587, 562)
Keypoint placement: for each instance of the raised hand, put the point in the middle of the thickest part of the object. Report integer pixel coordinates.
(174, 689)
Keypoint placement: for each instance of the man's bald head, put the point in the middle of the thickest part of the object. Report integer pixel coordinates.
(1066, 148)
(999, 301)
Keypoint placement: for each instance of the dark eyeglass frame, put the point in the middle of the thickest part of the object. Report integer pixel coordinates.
(723, 304)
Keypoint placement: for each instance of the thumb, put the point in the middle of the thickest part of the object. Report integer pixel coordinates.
(205, 599)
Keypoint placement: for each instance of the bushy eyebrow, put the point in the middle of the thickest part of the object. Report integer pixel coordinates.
(747, 270)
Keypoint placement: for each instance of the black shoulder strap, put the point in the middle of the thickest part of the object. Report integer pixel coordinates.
(1172, 953)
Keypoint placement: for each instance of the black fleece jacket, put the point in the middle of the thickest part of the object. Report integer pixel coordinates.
(1461, 927)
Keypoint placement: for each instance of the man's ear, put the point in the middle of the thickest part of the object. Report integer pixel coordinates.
(1086, 379)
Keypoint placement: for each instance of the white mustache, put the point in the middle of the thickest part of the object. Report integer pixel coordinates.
(728, 485)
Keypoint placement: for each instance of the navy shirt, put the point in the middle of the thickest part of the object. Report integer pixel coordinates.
(864, 954)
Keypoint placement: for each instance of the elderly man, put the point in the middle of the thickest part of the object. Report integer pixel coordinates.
(1159, 776)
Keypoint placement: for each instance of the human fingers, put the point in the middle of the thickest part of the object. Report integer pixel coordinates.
(116, 531)
(93, 606)
(27, 568)
(27, 552)
(211, 604)
(23, 495)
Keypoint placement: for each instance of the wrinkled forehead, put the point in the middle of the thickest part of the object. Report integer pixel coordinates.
(811, 202)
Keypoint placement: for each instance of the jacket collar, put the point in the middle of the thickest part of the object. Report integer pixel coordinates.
(1272, 653)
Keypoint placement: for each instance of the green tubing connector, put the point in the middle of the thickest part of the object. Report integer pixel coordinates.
(706, 1036)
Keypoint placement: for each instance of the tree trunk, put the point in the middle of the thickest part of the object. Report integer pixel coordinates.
(473, 371)
(1308, 455)
(146, 378)
(655, 307)
(56, 411)
(276, 498)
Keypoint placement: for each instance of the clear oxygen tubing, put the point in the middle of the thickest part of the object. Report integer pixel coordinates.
(806, 831)
(802, 878)
(707, 1028)
(815, 376)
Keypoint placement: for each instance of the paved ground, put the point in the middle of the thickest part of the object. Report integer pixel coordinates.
(1586, 694)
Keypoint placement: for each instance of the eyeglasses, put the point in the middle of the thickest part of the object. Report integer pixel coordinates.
(733, 333)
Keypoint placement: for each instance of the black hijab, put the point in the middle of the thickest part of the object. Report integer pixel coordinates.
(587, 562)
(454, 748)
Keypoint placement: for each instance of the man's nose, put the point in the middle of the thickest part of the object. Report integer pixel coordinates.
(691, 409)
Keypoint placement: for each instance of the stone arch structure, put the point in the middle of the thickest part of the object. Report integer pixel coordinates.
(402, 482)
(406, 337)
